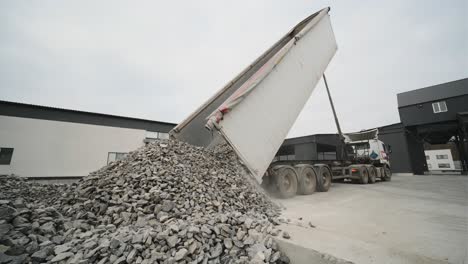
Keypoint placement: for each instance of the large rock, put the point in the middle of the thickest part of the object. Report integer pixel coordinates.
(172, 241)
(41, 255)
(4, 229)
(48, 228)
(12, 259)
(61, 256)
(181, 254)
(7, 213)
(19, 220)
(61, 248)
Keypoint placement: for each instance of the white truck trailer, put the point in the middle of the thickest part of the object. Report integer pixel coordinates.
(254, 112)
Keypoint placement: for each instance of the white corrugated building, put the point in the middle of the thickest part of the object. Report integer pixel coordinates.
(51, 143)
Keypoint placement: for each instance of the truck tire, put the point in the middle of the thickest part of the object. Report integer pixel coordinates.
(372, 174)
(379, 172)
(268, 182)
(364, 175)
(324, 178)
(387, 176)
(306, 178)
(286, 181)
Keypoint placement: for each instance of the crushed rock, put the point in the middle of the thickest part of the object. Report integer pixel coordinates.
(166, 202)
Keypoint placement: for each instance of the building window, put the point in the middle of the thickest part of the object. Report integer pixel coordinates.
(439, 107)
(150, 135)
(5, 156)
(427, 157)
(163, 135)
(444, 165)
(114, 156)
(442, 156)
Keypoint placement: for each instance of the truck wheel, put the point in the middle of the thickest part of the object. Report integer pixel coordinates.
(364, 175)
(268, 182)
(324, 178)
(382, 173)
(387, 174)
(372, 174)
(286, 181)
(307, 179)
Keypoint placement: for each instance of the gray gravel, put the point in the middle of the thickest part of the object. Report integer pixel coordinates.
(167, 202)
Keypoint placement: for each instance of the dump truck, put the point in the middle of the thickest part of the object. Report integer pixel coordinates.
(254, 112)
(360, 157)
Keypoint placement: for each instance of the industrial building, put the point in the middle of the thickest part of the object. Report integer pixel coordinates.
(45, 142)
(434, 121)
(434, 117)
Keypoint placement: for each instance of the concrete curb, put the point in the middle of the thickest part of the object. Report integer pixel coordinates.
(301, 255)
(402, 174)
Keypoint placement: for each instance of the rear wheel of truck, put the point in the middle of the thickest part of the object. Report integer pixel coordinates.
(268, 182)
(387, 176)
(307, 179)
(382, 173)
(286, 181)
(364, 175)
(372, 174)
(324, 178)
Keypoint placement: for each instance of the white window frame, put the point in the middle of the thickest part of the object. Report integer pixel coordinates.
(112, 156)
(442, 157)
(152, 135)
(163, 135)
(444, 165)
(439, 107)
(7, 159)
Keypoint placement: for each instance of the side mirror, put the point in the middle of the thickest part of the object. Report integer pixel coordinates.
(389, 149)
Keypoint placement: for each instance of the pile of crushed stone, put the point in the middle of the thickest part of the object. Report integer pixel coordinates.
(167, 202)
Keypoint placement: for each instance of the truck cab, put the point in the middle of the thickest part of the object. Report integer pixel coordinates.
(373, 151)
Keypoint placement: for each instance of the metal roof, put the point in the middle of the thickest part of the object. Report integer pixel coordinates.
(8, 108)
(433, 93)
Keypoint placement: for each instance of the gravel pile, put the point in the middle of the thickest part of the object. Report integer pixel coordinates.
(168, 202)
(30, 224)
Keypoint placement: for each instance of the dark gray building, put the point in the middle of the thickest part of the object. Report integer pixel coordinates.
(435, 115)
(407, 149)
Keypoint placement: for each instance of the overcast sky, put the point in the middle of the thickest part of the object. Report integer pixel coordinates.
(160, 60)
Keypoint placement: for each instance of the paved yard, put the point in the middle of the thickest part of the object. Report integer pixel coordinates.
(412, 219)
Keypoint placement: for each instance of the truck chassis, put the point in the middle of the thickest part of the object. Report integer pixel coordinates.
(288, 178)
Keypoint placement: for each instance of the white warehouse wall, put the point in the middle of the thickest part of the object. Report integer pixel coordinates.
(44, 148)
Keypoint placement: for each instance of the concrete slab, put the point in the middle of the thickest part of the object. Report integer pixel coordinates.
(412, 219)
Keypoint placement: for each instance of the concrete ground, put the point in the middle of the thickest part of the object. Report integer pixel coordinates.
(412, 219)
